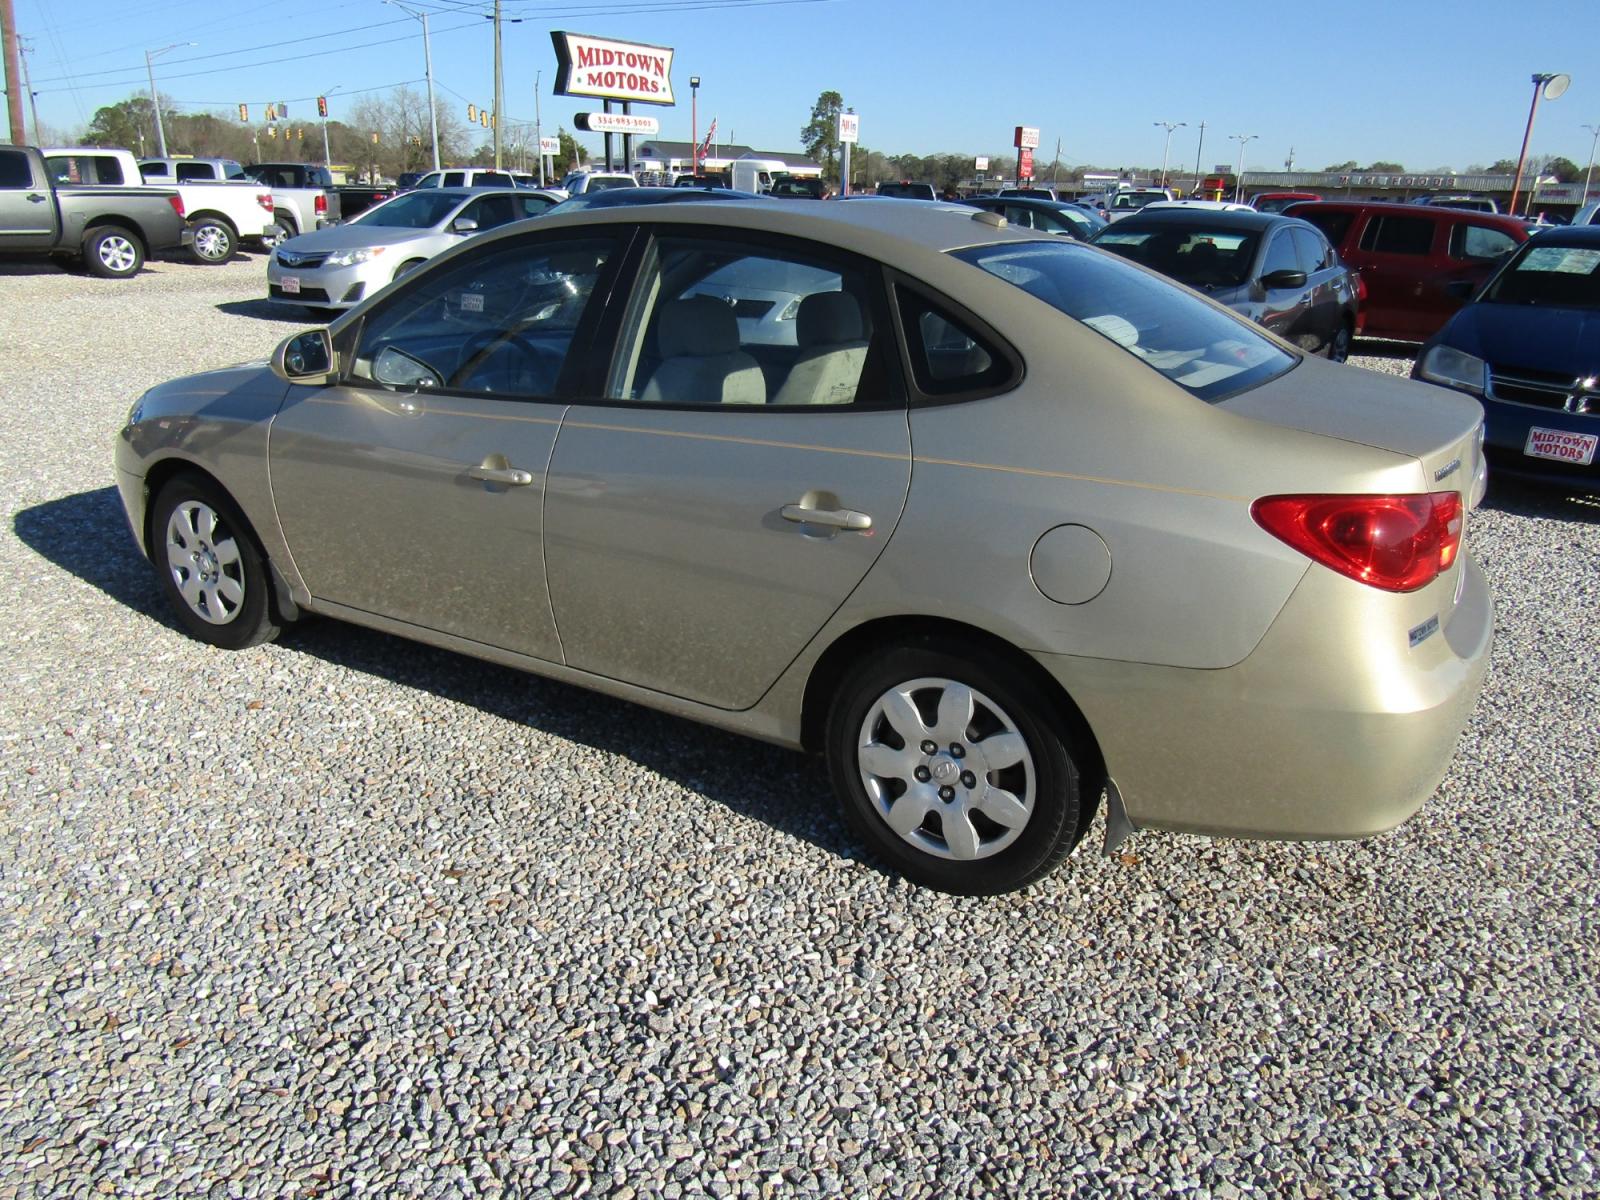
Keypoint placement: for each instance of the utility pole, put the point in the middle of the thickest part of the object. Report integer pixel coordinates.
(1197, 152)
(427, 68)
(1587, 171)
(499, 88)
(538, 125)
(155, 100)
(27, 86)
(8, 35)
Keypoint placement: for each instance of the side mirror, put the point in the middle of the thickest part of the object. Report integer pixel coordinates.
(1284, 279)
(305, 358)
(463, 225)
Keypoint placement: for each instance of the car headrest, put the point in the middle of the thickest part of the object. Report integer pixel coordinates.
(828, 317)
(697, 327)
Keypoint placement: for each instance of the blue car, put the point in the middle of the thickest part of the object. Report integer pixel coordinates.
(1528, 346)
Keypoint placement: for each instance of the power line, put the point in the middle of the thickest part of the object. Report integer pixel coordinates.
(343, 92)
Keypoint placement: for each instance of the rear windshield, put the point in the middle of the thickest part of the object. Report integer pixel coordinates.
(1200, 257)
(1556, 276)
(1199, 347)
(414, 210)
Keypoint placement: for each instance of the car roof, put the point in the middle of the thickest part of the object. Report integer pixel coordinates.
(633, 197)
(1436, 211)
(1212, 218)
(1587, 236)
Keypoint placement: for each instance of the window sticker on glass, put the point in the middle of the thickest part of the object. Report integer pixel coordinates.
(1566, 260)
(471, 302)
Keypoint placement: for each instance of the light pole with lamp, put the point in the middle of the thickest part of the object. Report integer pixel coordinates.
(322, 106)
(1169, 126)
(694, 124)
(1243, 139)
(155, 101)
(1546, 87)
(1589, 170)
(427, 64)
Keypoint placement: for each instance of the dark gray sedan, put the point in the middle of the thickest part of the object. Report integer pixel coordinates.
(1278, 271)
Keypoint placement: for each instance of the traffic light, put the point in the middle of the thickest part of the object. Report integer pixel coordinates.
(322, 106)
(472, 113)
(244, 113)
(272, 112)
(272, 131)
(483, 117)
(283, 109)
(374, 139)
(299, 135)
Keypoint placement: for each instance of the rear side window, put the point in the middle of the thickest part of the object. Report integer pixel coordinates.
(1398, 235)
(1477, 242)
(948, 357)
(85, 168)
(1334, 225)
(454, 178)
(1204, 350)
(14, 170)
(492, 179)
(188, 172)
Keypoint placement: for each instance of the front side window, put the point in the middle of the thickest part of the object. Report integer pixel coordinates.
(1398, 235)
(430, 180)
(1312, 253)
(1281, 255)
(500, 323)
(717, 322)
(410, 211)
(1201, 348)
(1476, 243)
(490, 212)
(15, 172)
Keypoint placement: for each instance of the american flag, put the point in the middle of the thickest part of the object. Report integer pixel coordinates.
(705, 146)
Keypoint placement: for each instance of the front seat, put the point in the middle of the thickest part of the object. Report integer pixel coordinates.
(833, 349)
(698, 338)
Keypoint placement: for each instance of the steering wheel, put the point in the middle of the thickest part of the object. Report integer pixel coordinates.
(477, 349)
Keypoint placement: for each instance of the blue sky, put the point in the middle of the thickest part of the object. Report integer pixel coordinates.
(1425, 83)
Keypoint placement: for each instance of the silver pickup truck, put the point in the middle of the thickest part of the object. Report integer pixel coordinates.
(112, 230)
(304, 198)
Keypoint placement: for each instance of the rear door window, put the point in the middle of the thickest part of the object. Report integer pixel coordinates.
(1399, 235)
(189, 172)
(454, 178)
(1476, 243)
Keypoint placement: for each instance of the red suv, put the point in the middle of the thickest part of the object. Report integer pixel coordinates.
(1418, 263)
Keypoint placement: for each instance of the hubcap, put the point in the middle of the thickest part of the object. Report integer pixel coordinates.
(205, 564)
(211, 242)
(117, 253)
(947, 769)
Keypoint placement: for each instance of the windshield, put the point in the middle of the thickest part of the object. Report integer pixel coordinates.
(1202, 258)
(1554, 276)
(1211, 354)
(413, 210)
(1127, 200)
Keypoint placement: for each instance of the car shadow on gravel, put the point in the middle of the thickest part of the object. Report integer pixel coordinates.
(1380, 348)
(1531, 500)
(266, 310)
(87, 535)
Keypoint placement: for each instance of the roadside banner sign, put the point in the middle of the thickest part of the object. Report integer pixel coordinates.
(550, 146)
(849, 128)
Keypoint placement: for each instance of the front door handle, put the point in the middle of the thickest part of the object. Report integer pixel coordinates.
(35, 197)
(833, 518)
(495, 469)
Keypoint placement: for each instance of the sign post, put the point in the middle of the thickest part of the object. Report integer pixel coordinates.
(849, 135)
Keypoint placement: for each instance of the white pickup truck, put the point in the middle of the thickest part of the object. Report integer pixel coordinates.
(222, 214)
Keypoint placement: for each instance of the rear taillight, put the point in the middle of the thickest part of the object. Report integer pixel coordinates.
(177, 205)
(1397, 543)
(265, 200)
(321, 205)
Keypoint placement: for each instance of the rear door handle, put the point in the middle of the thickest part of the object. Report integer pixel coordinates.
(833, 518)
(495, 469)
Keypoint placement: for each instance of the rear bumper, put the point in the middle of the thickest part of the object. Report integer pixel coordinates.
(1326, 731)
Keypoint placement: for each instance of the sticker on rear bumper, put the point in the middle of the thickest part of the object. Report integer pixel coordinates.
(1425, 631)
(1561, 445)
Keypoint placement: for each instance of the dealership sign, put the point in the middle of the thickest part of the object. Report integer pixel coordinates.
(612, 70)
(849, 128)
(617, 123)
(1027, 138)
(550, 147)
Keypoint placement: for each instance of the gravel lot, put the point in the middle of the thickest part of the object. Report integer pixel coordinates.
(345, 916)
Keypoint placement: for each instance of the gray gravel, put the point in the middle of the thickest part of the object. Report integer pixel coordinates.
(343, 916)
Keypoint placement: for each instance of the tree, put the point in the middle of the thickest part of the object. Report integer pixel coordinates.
(1564, 169)
(820, 137)
(1384, 168)
(1504, 166)
(127, 124)
(1340, 168)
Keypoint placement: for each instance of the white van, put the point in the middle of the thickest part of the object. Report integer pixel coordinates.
(754, 174)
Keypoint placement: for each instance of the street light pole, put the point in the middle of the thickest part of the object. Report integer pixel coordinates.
(1544, 86)
(427, 66)
(1238, 174)
(1588, 170)
(1167, 149)
(155, 101)
(1199, 148)
(694, 124)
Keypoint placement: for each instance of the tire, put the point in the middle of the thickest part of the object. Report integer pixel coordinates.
(980, 832)
(1338, 350)
(210, 566)
(215, 242)
(405, 268)
(275, 235)
(111, 252)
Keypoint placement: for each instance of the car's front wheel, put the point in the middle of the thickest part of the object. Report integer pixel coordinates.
(214, 241)
(275, 235)
(210, 566)
(957, 771)
(1339, 347)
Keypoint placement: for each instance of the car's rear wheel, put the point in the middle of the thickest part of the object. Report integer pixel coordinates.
(112, 253)
(275, 235)
(210, 566)
(1339, 347)
(956, 771)
(214, 241)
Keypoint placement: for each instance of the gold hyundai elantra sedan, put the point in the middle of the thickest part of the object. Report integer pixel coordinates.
(1001, 524)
